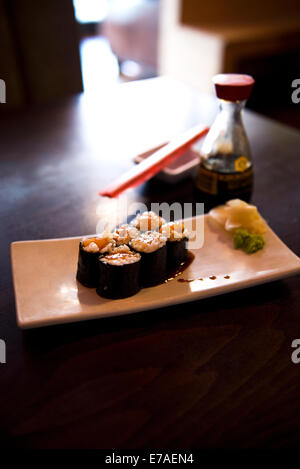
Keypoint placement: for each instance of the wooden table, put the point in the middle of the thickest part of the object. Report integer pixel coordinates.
(214, 373)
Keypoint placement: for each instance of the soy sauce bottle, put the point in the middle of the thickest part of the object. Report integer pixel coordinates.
(225, 170)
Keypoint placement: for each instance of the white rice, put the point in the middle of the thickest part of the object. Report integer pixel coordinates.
(121, 258)
(108, 248)
(123, 249)
(149, 241)
(148, 221)
(92, 247)
(125, 233)
(174, 231)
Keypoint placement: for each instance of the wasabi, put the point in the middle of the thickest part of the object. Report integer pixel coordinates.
(248, 242)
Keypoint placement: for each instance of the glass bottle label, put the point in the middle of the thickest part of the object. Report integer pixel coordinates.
(241, 164)
(231, 184)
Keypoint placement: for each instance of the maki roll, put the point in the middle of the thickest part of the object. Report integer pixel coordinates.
(148, 221)
(123, 234)
(89, 251)
(119, 273)
(152, 247)
(177, 237)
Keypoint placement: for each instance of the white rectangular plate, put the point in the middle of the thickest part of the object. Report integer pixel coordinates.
(47, 292)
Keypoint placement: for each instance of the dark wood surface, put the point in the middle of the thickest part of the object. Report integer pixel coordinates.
(213, 373)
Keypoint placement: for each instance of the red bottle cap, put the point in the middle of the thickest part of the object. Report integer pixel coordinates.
(233, 87)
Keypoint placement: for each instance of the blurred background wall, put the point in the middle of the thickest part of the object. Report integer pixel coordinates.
(48, 46)
(199, 39)
(39, 51)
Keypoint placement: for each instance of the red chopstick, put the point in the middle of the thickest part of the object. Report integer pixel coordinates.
(154, 163)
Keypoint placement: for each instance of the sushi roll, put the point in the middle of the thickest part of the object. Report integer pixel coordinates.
(148, 221)
(123, 234)
(152, 247)
(119, 273)
(177, 237)
(89, 251)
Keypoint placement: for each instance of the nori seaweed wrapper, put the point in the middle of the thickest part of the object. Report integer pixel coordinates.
(177, 252)
(154, 267)
(118, 281)
(87, 267)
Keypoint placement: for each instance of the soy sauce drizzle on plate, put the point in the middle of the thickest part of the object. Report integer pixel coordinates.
(212, 277)
(184, 265)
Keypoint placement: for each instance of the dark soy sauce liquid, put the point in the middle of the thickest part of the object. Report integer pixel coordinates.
(189, 280)
(215, 188)
(173, 273)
